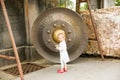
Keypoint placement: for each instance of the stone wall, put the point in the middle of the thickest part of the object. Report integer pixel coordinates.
(107, 22)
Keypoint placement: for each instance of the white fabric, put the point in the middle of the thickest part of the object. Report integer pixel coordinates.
(63, 52)
(63, 64)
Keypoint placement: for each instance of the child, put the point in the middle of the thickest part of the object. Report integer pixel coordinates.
(64, 58)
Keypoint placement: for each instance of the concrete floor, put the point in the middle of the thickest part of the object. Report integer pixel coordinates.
(81, 69)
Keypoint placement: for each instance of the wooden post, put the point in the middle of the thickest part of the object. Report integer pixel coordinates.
(12, 39)
(7, 57)
(77, 6)
(95, 31)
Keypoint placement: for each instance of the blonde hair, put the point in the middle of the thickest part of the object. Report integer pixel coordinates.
(62, 33)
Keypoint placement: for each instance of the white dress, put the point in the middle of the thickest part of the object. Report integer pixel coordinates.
(63, 52)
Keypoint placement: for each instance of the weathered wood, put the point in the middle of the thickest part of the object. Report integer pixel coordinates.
(92, 47)
(7, 57)
(86, 17)
(12, 39)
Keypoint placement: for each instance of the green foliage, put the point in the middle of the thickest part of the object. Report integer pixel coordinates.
(61, 3)
(65, 3)
(117, 2)
(84, 7)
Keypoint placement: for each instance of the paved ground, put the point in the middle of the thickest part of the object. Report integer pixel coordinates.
(81, 69)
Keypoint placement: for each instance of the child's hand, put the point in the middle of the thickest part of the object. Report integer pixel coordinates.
(56, 46)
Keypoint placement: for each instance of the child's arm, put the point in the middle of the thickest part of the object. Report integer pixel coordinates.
(56, 46)
(62, 47)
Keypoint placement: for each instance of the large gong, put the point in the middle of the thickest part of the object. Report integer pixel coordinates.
(49, 24)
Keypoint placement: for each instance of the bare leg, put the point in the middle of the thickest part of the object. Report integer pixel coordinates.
(65, 67)
(62, 65)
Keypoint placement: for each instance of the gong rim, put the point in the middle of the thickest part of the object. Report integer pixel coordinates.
(64, 19)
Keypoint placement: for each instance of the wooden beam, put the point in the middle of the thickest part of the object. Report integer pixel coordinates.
(7, 57)
(12, 39)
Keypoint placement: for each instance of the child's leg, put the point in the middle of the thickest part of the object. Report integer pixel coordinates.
(62, 65)
(65, 66)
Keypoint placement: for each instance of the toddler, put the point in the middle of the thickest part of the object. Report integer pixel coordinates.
(64, 58)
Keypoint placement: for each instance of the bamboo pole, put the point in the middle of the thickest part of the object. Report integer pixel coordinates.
(12, 39)
(95, 30)
(7, 57)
